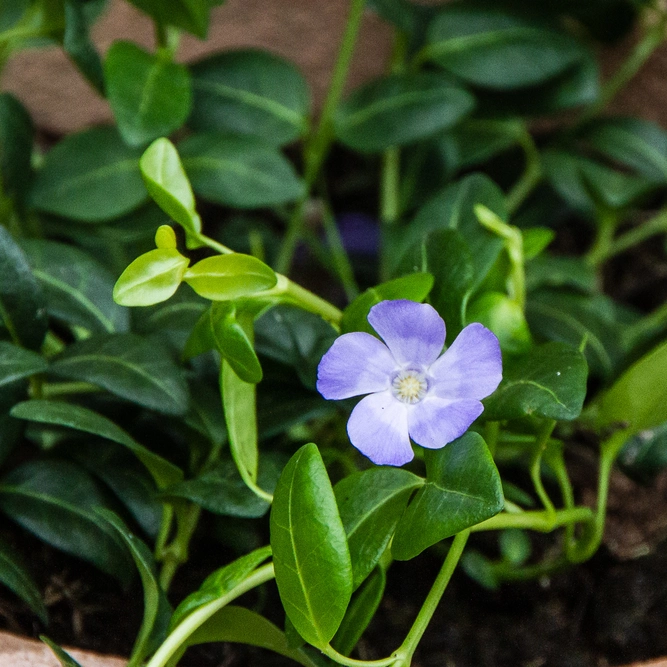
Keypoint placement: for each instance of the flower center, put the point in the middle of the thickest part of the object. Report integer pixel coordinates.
(409, 386)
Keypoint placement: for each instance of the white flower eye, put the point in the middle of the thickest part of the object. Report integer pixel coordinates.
(409, 386)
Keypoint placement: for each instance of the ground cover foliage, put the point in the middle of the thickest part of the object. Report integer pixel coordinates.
(170, 284)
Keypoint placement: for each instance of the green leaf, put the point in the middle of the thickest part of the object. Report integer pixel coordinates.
(151, 278)
(78, 45)
(16, 138)
(535, 240)
(240, 625)
(134, 368)
(549, 381)
(168, 184)
(445, 255)
(311, 557)
(77, 287)
(563, 316)
(238, 401)
(155, 600)
(644, 455)
(360, 612)
(250, 92)
(22, 303)
(222, 491)
(17, 363)
(561, 271)
(400, 109)
(370, 504)
(515, 546)
(490, 47)
(64, 658)
(82, 419)
(453, 208)
(634, 142)
(294, 337)
(414, 287)
(16, 577)
(91, 176)
(227, 277)
(462, 489)
(150, 96)
(56, 500)
(637, 401)
(190, 15)
(239, 171)
(220, 582)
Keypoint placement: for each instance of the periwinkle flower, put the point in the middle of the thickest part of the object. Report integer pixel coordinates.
(415, 390)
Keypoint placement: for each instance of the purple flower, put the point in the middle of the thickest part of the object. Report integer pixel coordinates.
(414, 390)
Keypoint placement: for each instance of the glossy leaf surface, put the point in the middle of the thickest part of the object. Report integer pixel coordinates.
(17, 363)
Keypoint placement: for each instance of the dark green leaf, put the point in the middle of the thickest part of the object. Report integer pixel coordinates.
(56, 500)
(250, 92)
(64, 658)
(16, 136)
(311, 557)
(360, 612)
(445, 255)
(399, 110)
(17, 363)
(190, 15)
(489, 46)
(549, 381)
(78, 45)
(155, 600)
(370, 504)
(644, 455)
(134, 368)
(16, 577)
(239, 171)
(462, 489)
(150, 96)
(82, 419)
(91, 176)
(561, 271)
(637, 401)
(294, 337)
(453, 208)
(414, 287)
(240, 625)
(22, 303)
(219, 583)
(515, 546)
(77, 287)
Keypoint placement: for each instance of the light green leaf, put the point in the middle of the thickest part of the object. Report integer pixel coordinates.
(239, 171)
(151, 278)
(134, 368)
(150, 96)
(549, 381)
(82, 419)
(91, 176)
(311, 557)
(168, 184)
(250, 92)
(462, 489)
(226, 277)
(17, 363)
(77, 287)
(64, 658)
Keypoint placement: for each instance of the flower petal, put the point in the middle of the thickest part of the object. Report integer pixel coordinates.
(413, 332)
(357, 363)
(471, 368)
(435, 421)
(378, 428)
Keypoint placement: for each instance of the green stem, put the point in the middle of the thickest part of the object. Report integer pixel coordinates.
(536, 463)
(508, 572)
(319, 142)
(540, 520)
(56, 389)
(656, 225)
(653, 37)
(341, 261)
(607, 220)
(341, 659)
(557, 464)
(198, 617)
(176, 553)
(648, 326)
(407, 648)
(531, 176)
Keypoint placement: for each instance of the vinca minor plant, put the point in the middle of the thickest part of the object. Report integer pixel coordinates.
(164, 365)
